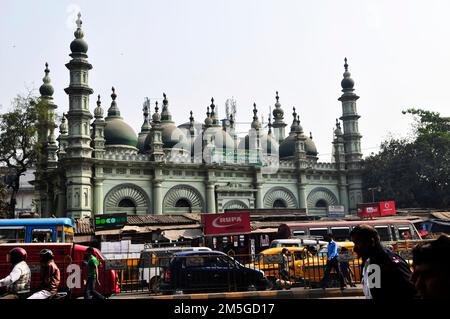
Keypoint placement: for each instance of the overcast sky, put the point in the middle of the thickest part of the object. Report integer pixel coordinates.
(398, 52)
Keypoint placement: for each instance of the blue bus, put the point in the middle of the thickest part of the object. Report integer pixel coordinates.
(36, 230)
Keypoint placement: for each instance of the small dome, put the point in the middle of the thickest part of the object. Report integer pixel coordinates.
(347, 82)
(78, 46)
(287, 147)
(118, 132)
(46, 88)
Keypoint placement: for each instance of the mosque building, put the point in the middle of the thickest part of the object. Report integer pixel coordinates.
(99, 165)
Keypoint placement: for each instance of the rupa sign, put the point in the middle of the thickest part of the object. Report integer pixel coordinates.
(226, 223)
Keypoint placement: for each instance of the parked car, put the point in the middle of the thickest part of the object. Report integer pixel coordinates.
(152, 262)
(65, 254)
(209, 271)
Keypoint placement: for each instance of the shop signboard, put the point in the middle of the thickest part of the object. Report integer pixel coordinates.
(226, 223)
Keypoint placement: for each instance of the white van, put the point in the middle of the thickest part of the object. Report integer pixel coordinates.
(152, 262)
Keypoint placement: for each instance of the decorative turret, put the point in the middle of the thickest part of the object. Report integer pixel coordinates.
(278, 124)
(214, 117)
(118, 134)
(156, 147)
(208, 120)
(146, 127)
(256, 125)
(192, 133)
(98, 130)
(165, 114)
(62, 138)
(47, 125)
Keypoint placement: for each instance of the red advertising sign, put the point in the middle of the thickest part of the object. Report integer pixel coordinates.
(368, 210)
(226, 223)
(380, 209)
(387, 208)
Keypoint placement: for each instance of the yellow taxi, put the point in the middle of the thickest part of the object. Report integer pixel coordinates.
(269, 261)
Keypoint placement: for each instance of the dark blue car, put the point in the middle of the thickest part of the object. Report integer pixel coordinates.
(209, 271)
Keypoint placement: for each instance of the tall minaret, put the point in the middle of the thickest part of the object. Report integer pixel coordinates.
(46, 139)
(79, 192)
(278, 121)
(352, 139)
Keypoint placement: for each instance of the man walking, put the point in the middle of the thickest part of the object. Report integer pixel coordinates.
(385, 275)
(332, 263)
(92, 265)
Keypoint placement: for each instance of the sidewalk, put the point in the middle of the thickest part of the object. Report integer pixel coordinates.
(294, 293)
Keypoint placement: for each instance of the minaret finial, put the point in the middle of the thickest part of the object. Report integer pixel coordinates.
(310, 135)
(98, 100)
(277, 97)
(270, 125)
(79, 22)
(345, 65)
(113, 95)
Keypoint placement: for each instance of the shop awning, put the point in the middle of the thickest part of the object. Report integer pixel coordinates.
(176, 234)
(83, 239)
(265, 231)
(108, 232)
(442, 215)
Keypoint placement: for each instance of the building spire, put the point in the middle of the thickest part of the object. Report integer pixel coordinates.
(214, 118)
(113, 111)
(347, 83)
(156, 116)
(165, 114)
(146, 113)
(98, 112)
(270, 126)
(79, 45)
(255, 124)
(46, 88)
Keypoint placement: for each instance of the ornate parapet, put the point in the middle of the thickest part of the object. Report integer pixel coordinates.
(125, 155)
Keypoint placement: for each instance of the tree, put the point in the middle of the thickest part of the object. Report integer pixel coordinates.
(19, 149)
(414, 172)
(3, 200)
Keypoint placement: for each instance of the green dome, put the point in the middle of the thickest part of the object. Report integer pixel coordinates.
(117, 132)
(287, 147)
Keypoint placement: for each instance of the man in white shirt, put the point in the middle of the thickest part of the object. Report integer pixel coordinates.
(18, 281)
